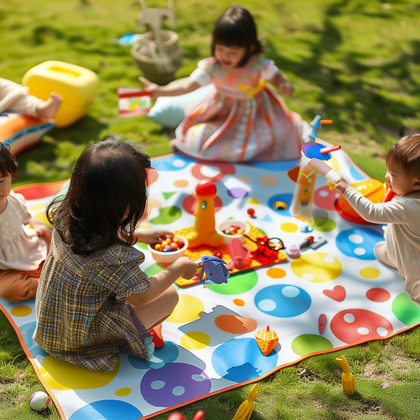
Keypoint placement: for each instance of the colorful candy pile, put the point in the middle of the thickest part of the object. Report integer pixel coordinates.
(234, 230)
(169, 244)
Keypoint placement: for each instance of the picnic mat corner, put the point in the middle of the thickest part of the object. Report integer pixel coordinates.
(210, 345)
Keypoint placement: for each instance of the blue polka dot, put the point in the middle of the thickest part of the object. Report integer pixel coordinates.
(27, 332)
(276, 166)
(356, 174)
(283, 301)
(107, 409)
(166, 354)
(358, 242)
(286, 198)
(173, 163)
(241, 360)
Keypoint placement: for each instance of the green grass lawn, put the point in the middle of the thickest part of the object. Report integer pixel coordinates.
(355, 62)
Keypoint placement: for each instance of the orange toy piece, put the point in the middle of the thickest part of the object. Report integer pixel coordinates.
(372, 189)
(266, 340)
(204, 230)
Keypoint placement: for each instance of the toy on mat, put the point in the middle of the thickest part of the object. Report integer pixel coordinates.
(239, 253)
(266, 340)
(313, 155)
(133, 102)
(374, 190)
(347, 380)
(214, 268)
(322, 323)
(293, 251)
(178, 416)
(245, 409)
(157, 336)
(267, 249)
(39, 401)
(204, 231)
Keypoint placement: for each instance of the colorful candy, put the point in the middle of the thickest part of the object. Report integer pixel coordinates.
(169, 244)
(234, 230)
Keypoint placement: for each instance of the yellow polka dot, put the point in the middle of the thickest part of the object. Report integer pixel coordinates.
(62, 376)
(369, 273)
(289, 227)
(144, 227)
(195, 340)
(181, 183)
(333, 162)
(37, 207)
(276, 273)
(188, 309)
(21, 311)
(316, 267)
(244, 179)
(122, 392)
(268, 180)
(238, 302)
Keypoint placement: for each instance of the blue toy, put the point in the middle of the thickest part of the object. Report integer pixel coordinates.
(214, 268)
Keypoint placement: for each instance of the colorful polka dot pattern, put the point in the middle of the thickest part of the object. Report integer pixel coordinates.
(209, 336)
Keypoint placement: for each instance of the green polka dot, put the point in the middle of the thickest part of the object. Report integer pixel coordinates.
(167, 215)
(142, 245)
(407, 311)
(154, 269)
(310, 343)
(239, 283)
(323, 224)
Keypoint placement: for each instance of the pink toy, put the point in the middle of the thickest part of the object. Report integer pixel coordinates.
(322, 322)
(293, 251)
(323, 169)
(239, 253)
(178, 416)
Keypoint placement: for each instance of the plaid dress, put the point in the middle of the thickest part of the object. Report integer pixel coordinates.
(81, 308)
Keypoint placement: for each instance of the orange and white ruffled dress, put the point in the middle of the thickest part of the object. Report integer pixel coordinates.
(242, 120)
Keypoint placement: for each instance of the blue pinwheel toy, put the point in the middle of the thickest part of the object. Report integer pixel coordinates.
(215, 269)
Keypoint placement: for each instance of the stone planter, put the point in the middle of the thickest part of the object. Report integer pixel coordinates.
(159, 67)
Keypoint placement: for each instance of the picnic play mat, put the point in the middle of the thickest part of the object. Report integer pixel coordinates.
(210, 345)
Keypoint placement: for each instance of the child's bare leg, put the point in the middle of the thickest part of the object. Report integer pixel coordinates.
(156, 311)
(49, 107)
(382, 254)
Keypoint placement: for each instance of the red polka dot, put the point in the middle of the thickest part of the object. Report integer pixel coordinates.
(224, 168)
(378, 295)
(235, 324)
(324, 198)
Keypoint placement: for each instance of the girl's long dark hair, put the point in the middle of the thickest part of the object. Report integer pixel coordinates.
(8, 163)
(106, 199)
(236, 28)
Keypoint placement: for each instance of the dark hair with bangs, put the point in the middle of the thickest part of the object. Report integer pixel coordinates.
(106, 199)
(236, 28)
(8, 164)
(406, 153)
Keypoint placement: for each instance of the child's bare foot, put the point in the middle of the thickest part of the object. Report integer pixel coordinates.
(50, 107)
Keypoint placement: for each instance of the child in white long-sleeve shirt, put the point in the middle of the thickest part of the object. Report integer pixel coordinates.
(401, 249)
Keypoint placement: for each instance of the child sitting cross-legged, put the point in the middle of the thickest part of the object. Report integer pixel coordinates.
(401, 249)
(93, 299)
(21, 254)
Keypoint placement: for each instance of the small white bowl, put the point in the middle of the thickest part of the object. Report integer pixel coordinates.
(227, 224)
(169, 257)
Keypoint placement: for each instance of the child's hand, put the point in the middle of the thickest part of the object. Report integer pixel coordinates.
(341, 184)
(151, 236)
(190, 267)
(41, 230)
(150, 87)
(286, 88)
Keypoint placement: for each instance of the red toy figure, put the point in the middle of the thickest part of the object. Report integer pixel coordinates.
(265, 254)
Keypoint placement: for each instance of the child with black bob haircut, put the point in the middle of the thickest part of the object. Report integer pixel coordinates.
(243, 119)
(401, 249)
(93, 299)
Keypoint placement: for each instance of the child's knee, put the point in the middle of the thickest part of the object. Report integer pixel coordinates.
(16, 286)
